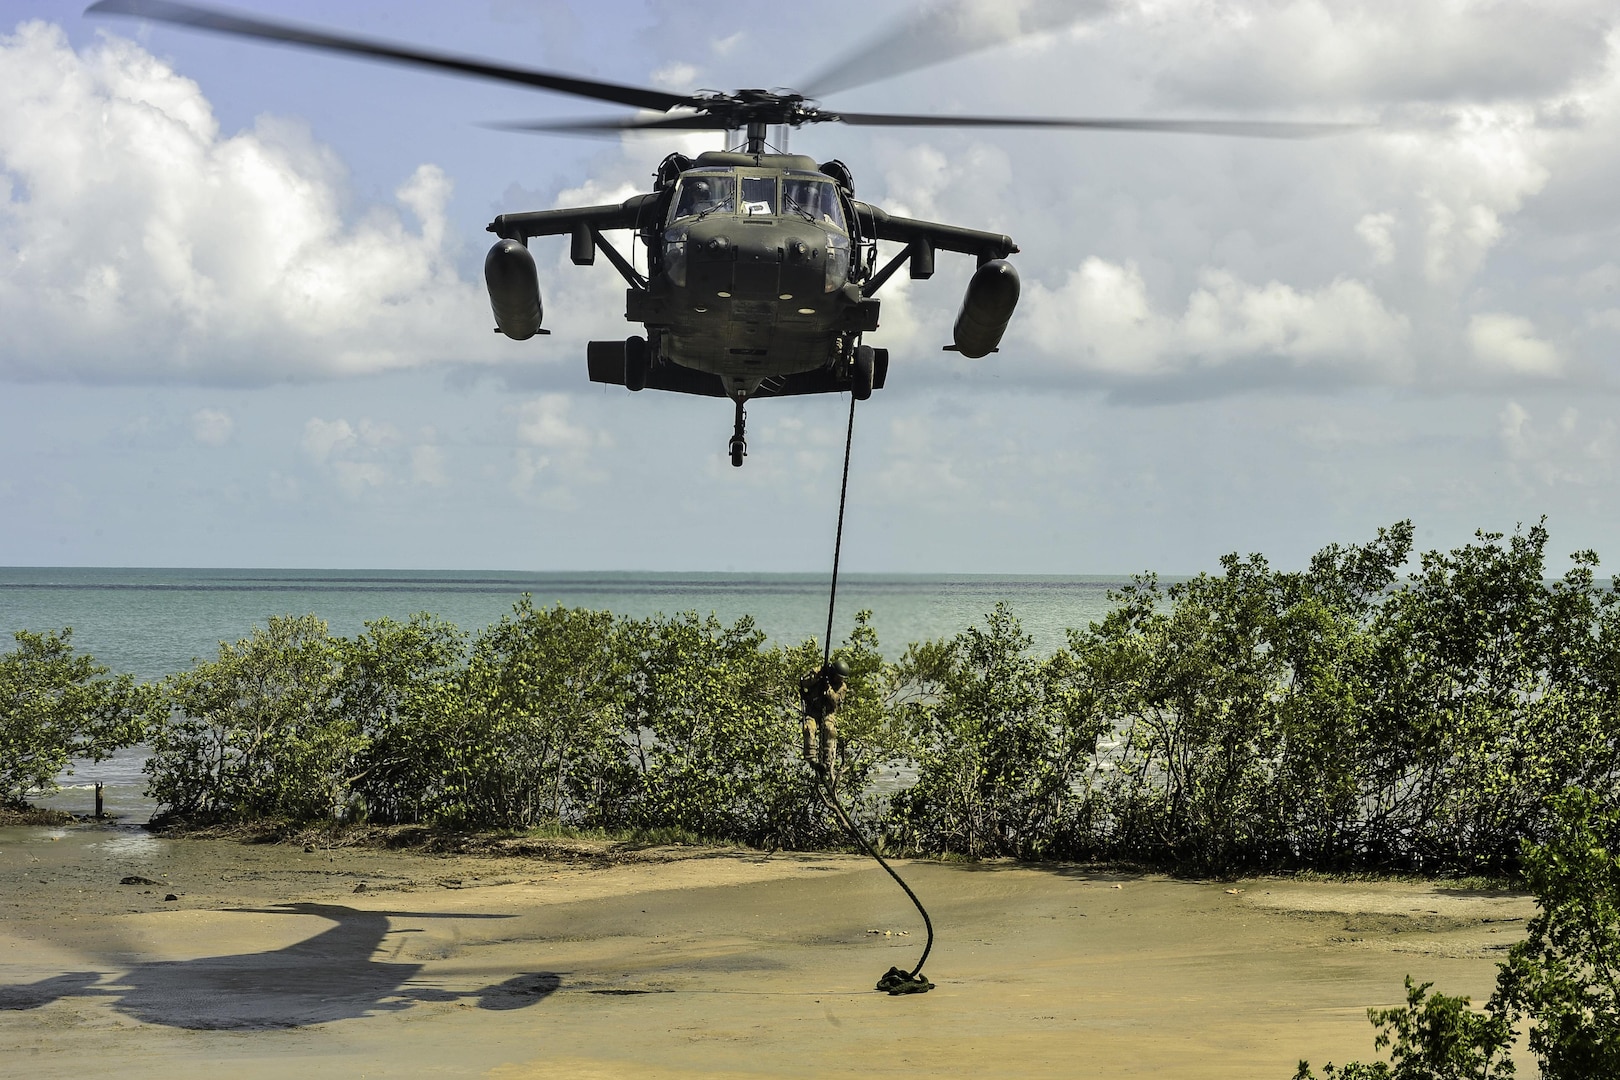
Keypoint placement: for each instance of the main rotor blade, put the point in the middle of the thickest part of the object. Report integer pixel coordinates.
(684, 122)
(224, 22)
(933, 35)
(1259, 129)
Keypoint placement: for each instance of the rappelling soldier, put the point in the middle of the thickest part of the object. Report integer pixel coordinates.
(822, 692)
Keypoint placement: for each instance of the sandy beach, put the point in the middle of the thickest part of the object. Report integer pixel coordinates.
(272, 961)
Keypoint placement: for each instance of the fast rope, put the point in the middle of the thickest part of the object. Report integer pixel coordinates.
(895, 980)
(838, 538)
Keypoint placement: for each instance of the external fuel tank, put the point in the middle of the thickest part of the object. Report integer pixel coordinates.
(987, 306)
(514, 289)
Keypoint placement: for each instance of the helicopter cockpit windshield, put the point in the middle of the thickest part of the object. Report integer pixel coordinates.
(705, 193)
(758, 195)
(813, 199)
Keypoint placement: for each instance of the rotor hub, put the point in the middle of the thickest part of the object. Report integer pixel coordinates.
(742, 108)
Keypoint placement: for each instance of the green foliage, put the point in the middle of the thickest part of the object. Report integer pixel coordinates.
(1497, 693)
(401, 688)
(1565, 975)
(258, 732)
(55, 706)
(999, 738)
(1238, 705)
(1331, 718)
(1563, 978)
(1195, 683)
(538, 736)
(1434, 1037)
(549, 718)
(713, 725)
(867, 728)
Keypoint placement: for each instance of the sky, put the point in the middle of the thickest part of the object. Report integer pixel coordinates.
(242, 319)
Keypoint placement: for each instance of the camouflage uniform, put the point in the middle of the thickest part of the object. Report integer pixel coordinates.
(823, 691)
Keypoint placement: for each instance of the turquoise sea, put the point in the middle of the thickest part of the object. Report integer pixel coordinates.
(152, 622)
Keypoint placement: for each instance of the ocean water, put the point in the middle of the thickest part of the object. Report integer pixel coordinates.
(153, 622)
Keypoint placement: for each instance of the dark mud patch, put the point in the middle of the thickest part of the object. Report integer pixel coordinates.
(423, 840)
(32, 815)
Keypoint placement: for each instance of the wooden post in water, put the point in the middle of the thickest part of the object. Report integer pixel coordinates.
(99, 813)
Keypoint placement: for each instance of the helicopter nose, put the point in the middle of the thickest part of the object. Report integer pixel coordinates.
(802, 273)
(758, 265)
(758, 250)
(746, 267)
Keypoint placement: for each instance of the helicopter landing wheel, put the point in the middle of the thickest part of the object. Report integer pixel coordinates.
(862, 366)
(636, 363)
(739, 444)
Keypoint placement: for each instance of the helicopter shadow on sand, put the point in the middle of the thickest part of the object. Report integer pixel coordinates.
(334, 975)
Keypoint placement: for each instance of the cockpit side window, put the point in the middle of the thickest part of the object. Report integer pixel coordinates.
(815, 200)
(705, 193)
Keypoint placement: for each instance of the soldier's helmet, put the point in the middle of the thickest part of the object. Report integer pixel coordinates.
(839, 668)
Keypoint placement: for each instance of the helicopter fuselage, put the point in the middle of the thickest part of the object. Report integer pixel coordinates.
(760, 275)
(753, 261)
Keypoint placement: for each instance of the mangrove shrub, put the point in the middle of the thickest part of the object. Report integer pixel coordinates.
(57, 705)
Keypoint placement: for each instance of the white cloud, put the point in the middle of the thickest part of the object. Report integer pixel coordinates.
(930, 34)
(599, 191)
(1102, 321)
(545, 422)
(1567, 452)
(1361, 258)
(354, 477)
(558, 453)
(323, 438)
(1375, 230)
(548, 480)
(926, 181)
(428, 466)
(212, 427)
(1333, 51)
(374, 434)
(1462, 182)
(359, 456)
(1508, 344)
(146, 244)
(919, 468)
(678, 77)
(1342, 323)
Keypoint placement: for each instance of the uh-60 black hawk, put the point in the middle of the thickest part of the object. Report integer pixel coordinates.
(762, 268)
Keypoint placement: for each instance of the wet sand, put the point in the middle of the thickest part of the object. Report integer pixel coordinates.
(691, 963)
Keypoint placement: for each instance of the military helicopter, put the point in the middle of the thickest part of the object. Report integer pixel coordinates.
(762, 267)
